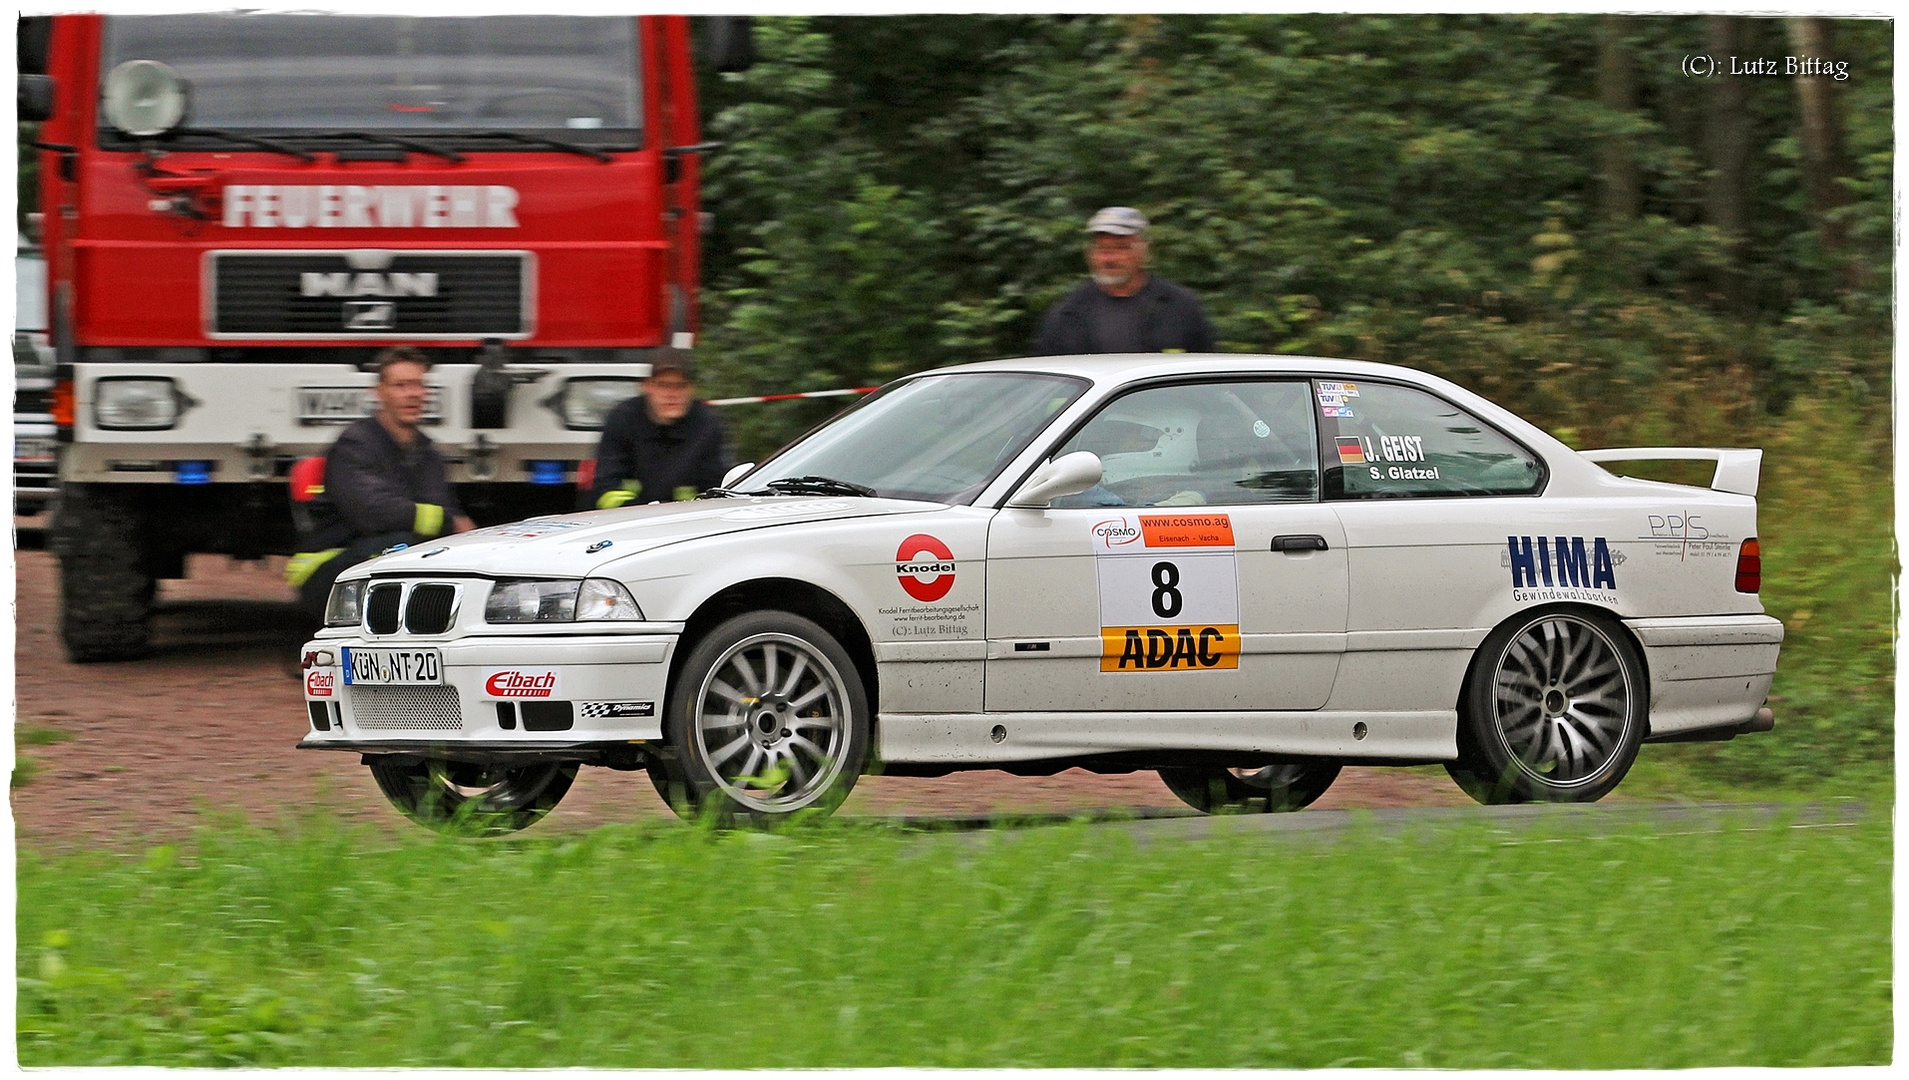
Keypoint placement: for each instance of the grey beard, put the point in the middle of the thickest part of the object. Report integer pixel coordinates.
(1109, 281)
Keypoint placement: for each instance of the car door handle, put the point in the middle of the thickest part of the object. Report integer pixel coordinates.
(1299, 542)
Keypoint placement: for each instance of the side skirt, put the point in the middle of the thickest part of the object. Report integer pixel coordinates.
(994, 740)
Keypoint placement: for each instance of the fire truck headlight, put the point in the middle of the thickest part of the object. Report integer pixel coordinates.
(585, 402)
(135, 404)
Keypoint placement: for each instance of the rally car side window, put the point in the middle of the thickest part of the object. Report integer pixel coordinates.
(1380, 440)
(1202, 444)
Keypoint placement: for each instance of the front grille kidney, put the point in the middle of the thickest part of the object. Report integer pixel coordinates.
(429, 611)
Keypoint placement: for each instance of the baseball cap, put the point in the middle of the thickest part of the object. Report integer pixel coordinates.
(1118, 220)
(671, 360)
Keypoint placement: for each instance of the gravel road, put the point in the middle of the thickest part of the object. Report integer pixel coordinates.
(208, 725)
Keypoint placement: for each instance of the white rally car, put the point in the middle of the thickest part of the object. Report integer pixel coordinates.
(1241, 571)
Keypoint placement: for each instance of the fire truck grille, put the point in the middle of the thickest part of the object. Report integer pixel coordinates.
(429, 611)
(400, 708)
(412, 294)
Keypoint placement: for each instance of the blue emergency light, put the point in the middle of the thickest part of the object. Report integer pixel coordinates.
(547, 472)
(192, 472)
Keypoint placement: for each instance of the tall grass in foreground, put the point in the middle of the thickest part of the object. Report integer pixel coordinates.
(839, 945)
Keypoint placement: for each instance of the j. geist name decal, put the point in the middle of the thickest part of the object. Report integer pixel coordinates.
(1561, 568)
(1169, 593)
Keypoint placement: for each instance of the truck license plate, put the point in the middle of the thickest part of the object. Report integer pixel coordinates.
(393, 667)
(343, 404)
(33, 447)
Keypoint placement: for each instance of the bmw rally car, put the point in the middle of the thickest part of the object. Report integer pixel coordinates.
(1243, 572)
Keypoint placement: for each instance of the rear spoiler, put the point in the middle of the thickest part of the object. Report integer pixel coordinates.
(1737, 470)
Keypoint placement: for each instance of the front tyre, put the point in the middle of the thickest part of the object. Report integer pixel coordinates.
(1273, 789)
(468, 799)
(768, 717)
(1554, 710)
(106, 584)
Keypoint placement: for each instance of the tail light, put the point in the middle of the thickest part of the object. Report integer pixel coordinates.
(63, 407)
(1749, 566)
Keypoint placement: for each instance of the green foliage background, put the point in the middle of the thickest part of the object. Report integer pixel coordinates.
(906, 192)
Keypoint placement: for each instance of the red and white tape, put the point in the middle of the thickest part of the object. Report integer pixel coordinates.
(791, 397)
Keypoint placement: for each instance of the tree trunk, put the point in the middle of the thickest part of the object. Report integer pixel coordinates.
(1820, 127)
(1617, 91)
(1727, 152)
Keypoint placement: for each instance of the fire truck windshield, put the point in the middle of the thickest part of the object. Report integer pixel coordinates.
(303, 75)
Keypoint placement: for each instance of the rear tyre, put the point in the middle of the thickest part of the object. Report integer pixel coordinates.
(768, 718)
(467, 799)
(106, 582)
(1272, 790)
(1554, 710)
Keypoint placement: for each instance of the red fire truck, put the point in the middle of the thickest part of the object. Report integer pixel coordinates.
(239, 211)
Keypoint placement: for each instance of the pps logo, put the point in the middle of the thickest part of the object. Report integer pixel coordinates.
(1115, 532)
(925, 567)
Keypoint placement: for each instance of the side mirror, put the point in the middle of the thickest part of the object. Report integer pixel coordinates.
(737, 473)
(36, 97)
(729, 42)
(1068, 475)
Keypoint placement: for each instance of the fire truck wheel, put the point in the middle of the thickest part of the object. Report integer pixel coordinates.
(106, 585)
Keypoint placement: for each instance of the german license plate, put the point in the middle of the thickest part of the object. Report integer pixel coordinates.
(393, 667)
(343, 404)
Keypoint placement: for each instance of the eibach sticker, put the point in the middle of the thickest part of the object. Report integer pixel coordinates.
(319, 682)
(1169, 593)
(520, 682)
(925, 567)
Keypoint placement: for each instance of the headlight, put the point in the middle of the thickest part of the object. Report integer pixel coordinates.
(347, 604)
(585, 402)
(133, 404)
(560, 601)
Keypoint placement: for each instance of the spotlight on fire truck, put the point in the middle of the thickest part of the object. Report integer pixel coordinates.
(144, 98)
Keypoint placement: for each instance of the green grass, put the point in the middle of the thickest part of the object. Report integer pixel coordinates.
(24, 767)
(843, 945)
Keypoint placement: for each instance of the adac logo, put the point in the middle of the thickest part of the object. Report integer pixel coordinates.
(925, 567)
(521, 684)
(1115, 531)
(1561, 562)
(319, 683)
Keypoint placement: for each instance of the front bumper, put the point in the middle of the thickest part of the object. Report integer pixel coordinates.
(520, 696)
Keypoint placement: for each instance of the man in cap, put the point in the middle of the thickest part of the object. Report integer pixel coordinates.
(660, 446)
(1123, 308)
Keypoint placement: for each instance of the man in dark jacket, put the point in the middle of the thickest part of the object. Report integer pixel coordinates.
(384, 485)
(1123, 309)
(660, 446)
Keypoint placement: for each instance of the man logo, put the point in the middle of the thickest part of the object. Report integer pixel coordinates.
(914, 572)
(367, 284)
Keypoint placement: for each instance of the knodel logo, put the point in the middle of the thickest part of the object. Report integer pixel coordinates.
(925, 567)
(511, 683)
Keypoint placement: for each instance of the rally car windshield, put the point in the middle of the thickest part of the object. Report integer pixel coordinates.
(569, 76)
(939, 438)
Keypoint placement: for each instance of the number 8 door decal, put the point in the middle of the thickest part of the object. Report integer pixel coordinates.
(1169, 593)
